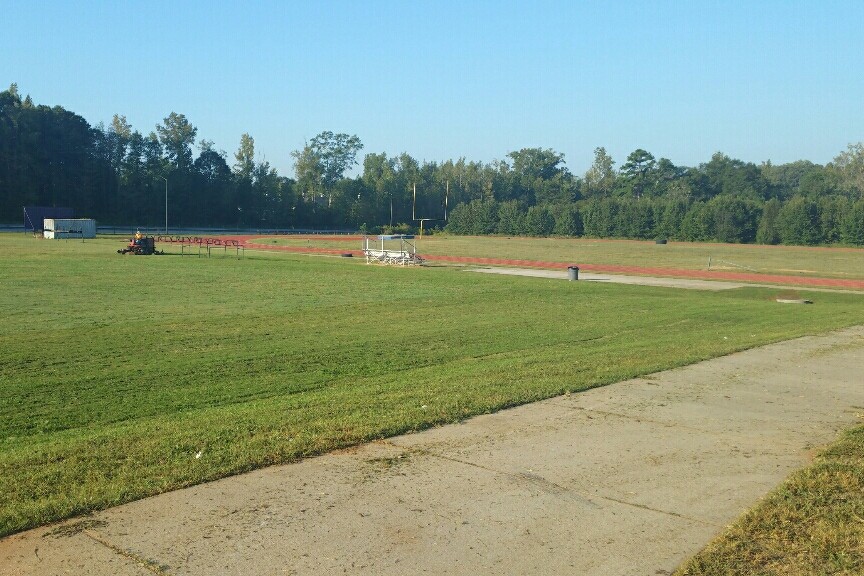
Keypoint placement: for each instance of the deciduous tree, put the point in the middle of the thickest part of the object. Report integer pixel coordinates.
(177, 136)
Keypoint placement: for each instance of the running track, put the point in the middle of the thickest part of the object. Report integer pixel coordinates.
(803, 281)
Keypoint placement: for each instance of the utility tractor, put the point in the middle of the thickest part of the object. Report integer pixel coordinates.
(140, 245)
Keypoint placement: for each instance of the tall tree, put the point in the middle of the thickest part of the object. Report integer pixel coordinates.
(639, 172)
(119, 135)
(853, 224)
(245, 158)
(600, 178)
(539, 221)
(327, 156)
(725, 175)
(832, 210)
(379, 177)
(849, 167)
(568, 220)
(177, 136)
(798, 222)
(787, 179)
(213, 185)
(510, 218)
(767, 232)
(734, 219)
(540, 177)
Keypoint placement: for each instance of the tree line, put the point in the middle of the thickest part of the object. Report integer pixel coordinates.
(50, 156)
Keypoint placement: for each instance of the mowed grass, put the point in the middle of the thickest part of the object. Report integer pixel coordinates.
(827, 262)
(125, 376)
(812, 524)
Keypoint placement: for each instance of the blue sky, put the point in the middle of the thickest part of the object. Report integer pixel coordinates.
(760, 80)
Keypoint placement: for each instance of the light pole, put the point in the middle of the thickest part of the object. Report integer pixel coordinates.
(166, 204)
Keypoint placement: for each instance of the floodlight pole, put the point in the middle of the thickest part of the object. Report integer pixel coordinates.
(166, 204)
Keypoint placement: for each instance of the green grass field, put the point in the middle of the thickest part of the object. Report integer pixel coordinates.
(830, 262)
(125, 376)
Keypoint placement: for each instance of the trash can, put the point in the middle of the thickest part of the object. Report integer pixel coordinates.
(572, 273)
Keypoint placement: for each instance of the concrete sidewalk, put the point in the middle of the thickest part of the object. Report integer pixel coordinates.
(631, 478)
(663, 281)
(666, 282)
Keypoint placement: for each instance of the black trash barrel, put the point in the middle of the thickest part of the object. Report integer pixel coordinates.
(572, 273)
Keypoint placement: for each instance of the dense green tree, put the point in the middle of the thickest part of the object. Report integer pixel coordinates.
(817, 183)
(380, 181)
(724, 175)
(244, 158)
(853, 224)
(568, 220)
(510, 218)
(51, 156)
(539, 221)
(786, 179)
(669, 179)
(635, 218)
(639, 173)
(600, 217)
(474, 218)
(266, 196)
(324, 160)
(531, 164)
(600, 178)
(539, 176)
(461, 220)
(734, 219)
(669, 214)
(798, 222)
(832, 211)
(767, 231)
(118, 137)
(309, 173)
(213, 185)
(848, 167)
(697, 224)
(241, 195)
(177, 136)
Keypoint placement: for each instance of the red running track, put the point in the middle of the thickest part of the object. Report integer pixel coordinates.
(804, 281)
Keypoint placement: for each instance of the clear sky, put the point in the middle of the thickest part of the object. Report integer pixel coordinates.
(758, 80)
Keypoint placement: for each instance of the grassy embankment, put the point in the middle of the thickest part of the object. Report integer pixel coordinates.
(812, 524)
(829, 262)
(123, 377)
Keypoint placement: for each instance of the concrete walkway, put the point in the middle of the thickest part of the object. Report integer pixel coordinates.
(688, 283)
(631, 478)
(666, 282)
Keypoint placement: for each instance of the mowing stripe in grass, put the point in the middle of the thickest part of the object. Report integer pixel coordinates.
(118, 371)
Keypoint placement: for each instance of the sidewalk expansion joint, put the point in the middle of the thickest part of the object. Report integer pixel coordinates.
(664, 512)
(150, 565)
(523, 478)
(634, 418)
(584, 498)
